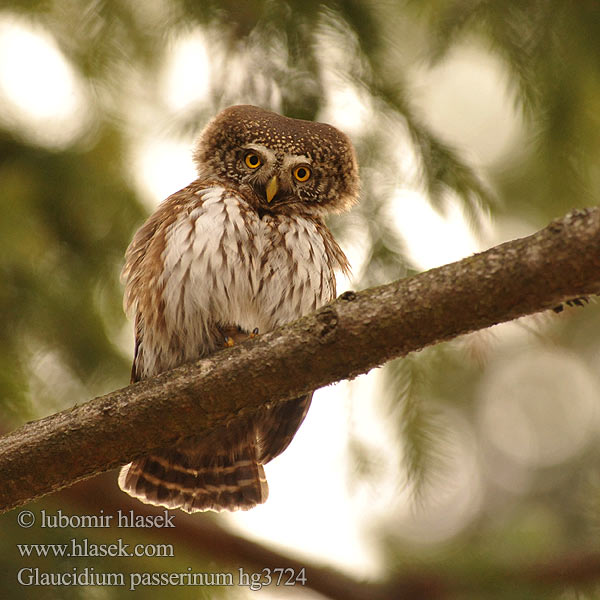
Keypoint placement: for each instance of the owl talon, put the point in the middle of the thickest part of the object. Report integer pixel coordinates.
(227, 230)
(581, 301)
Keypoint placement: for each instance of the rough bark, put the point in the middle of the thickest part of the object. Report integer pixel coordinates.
(207, 537)
(357, 332)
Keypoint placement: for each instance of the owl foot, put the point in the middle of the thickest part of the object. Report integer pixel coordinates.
(233, 335)
(581, 301)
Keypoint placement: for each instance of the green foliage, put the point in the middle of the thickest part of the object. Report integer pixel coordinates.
(115, 569)
(68, 214)
(548, 48)
(422, 437)
(67, 219)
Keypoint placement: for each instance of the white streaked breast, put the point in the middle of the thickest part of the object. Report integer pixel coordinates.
(216, 257)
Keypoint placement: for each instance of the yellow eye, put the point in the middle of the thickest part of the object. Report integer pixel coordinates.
(302, 173)
(252, 160)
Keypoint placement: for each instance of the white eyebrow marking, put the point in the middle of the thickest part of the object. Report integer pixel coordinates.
(289, 161)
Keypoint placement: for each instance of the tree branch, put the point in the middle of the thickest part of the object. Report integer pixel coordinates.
(350, 336)
(204, 535)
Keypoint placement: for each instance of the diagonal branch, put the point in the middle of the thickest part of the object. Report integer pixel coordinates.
(207, 537)
(350, 336)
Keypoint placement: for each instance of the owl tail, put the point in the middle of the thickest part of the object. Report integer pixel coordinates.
(197, 477)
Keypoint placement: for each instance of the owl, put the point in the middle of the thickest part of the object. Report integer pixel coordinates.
(241, 250)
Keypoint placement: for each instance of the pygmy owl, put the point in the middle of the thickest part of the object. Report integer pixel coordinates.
(242, 248)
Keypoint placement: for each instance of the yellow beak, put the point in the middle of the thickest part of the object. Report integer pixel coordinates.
(272, 188)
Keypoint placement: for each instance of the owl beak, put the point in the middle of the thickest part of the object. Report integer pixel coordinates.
(272, 188)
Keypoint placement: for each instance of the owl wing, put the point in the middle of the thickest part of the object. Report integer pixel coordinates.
(219, 470)
(189, 244)
(142, 273)
(277, 425)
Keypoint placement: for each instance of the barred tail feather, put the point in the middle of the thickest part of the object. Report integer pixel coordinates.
(182, 478)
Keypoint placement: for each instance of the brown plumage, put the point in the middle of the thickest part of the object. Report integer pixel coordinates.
(243, 247)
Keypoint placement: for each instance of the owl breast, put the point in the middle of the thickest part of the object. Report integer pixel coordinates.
(224, 266)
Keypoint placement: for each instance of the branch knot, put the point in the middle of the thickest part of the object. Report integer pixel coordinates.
(328, 320)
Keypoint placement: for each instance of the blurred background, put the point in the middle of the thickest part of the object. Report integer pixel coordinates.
(471, 464)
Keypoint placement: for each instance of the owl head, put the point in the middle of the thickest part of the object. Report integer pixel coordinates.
(279, 164)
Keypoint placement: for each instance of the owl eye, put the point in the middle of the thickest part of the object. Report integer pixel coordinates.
(302, 173)
(252, 160)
